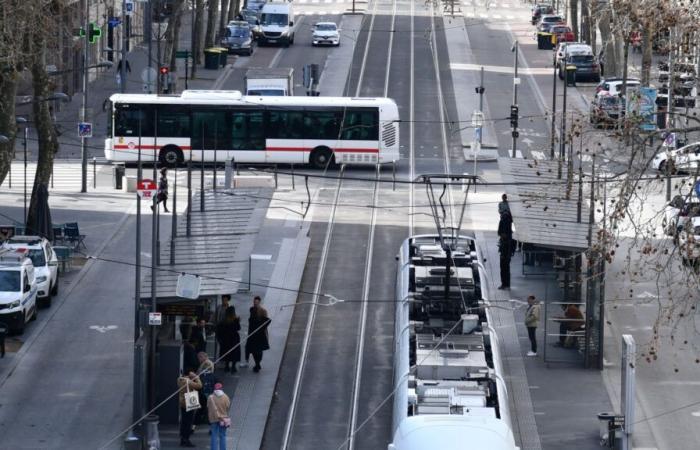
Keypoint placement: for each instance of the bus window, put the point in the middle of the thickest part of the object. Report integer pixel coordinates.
(248, 131)
(322, 124)
(211, 124)
(285, 125)
(173, 122)
(361, 125)
(128, 119)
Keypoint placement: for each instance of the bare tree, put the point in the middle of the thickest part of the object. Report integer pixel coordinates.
(225, 4)
(212, 31)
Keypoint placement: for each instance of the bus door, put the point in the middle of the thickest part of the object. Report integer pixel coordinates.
(210, 135)
(248, 135)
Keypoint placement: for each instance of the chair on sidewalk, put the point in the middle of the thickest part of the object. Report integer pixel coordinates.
(64, 255)
(72, 235)
(58, 234)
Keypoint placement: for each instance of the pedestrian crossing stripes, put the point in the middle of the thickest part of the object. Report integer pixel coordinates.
(67, 177)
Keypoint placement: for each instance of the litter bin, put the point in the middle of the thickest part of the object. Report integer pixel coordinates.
(119, 172)
(152, 436)
(223, 55)
(544, 41)
(211, 58)
(610, 424)
(571, 75)
(3, 332)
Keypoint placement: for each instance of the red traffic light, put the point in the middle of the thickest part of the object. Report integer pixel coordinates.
(164, 70)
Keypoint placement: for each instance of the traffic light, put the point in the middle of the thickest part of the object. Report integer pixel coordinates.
(164, 70)
(514, 116)
(93, 32)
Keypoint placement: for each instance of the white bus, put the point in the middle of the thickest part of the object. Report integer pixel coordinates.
(224, 125)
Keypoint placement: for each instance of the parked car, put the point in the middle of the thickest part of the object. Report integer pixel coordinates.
(253, 18)
(563, 33)
(325, 33)
(45, 263)
(582, 57)
(561, 49)
(677, 213)
(539, 9)
(689, 241)
(547, 21)
(238, 38)
(606, 109)
(613, 86)
(17, 290)
(684, 159)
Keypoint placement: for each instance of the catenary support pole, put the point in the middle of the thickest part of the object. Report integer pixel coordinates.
(515, 97)
(83, 110)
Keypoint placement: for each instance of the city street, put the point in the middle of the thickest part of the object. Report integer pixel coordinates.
(329, 382)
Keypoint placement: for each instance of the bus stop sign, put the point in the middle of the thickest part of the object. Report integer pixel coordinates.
(146, 189)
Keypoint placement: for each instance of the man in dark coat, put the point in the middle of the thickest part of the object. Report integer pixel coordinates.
(257, 341)
(505, 247)
(199, 336)
(229, 339)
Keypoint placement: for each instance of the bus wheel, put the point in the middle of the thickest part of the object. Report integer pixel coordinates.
(321, 157)
(170, 156)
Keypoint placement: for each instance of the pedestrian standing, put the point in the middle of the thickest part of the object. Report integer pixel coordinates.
(219, 405)
(3, 333)
(505, 247)
(199, 336)
(208, 379)
(221, 310)
(257, 341)
(503, 205)
(532, 320)
(162, 196)
(229, 339)
(187, 383)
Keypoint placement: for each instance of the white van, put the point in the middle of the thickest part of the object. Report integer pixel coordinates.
(45, 263)
(17, 290)
(277, 24)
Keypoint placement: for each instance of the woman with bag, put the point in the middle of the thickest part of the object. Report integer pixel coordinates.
(162, 195)
(229, 339)
(219, 405)
(189, 403)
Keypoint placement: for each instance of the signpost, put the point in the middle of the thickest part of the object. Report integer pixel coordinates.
(146, 189)
(155, 318)
(85, 129)
(184, 54)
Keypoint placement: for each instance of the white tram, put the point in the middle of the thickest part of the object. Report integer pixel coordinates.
(449, 390)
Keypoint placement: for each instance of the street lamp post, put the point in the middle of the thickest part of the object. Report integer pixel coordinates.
(516, 82)
(554, 104)
(477, 123)
(83, 112)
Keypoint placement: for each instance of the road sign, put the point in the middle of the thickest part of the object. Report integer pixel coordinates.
(114, 21)
(697, 188)
(155, 318)
(670, 140)
(182, 54)
(146, 189)
(85, 129)
(129, 7)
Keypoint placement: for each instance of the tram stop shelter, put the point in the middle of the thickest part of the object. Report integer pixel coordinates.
(217, 249)
(551, 224)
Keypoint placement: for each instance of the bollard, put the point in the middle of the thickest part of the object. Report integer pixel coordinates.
(152, 436)
(227, 175)
(293, 187)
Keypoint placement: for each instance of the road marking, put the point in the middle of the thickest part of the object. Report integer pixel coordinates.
(647, 294)
(536, 154)
(104, 329)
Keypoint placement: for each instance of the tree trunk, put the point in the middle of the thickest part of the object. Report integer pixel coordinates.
(172, 35)
(47, 139)
(234, 8)
(606, 37)
(573, 13)
(197, 37)
(8, 127)
(648, 36)
(212, 31)
(586, 25)
(224, 14)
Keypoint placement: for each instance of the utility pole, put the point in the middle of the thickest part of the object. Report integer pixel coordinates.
(148, 32)
(83, 110)
(122, 70)
(514, 106)
(554, 105)
(480, 90)
(562, 133)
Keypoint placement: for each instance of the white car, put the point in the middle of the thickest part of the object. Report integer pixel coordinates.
(325, 33)
(45, 262)
(684, 159)
(561, 49)
(677, 213)
(613, 86)
(17, 290)
(689, 241)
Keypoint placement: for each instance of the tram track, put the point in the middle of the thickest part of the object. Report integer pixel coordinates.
(321, 324)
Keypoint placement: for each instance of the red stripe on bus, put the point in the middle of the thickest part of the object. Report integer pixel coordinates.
(338, 150)
(146, 147)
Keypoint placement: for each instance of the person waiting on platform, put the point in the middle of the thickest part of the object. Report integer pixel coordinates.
(572, 321)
